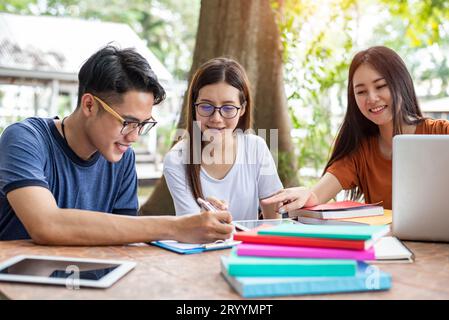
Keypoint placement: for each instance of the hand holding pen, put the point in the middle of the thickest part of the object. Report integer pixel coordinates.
(206, 227)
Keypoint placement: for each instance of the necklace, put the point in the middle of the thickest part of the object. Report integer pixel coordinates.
(62, 128)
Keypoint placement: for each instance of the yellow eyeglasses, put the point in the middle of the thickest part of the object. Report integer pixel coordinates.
(128, 126)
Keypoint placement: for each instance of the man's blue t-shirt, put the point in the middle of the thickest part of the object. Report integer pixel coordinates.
(33, 153)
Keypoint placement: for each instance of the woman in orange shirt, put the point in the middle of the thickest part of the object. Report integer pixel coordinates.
(381, 104)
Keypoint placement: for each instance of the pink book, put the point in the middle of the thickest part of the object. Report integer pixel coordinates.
(262, 250)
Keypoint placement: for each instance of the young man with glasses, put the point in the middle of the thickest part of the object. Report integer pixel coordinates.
(61, 180)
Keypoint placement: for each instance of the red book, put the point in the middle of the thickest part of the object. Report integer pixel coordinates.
(253, 237)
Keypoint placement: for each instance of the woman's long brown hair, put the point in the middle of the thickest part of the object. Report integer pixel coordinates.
(356, 127)
(213, 71)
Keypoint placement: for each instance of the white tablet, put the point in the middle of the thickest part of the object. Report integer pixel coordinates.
(70, 272)
(246, 225)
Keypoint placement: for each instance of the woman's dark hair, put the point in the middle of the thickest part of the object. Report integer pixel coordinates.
(111, 72)
(405, 109)
(214, 71)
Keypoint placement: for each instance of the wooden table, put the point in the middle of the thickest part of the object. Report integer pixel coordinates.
(161, 274)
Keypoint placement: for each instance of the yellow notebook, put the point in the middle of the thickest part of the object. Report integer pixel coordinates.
(386, 218)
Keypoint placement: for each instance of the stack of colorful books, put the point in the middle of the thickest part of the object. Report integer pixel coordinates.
(297, 259)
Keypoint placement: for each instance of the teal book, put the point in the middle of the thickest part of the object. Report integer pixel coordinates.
(284, 267)
(349, 232)
(367, 278)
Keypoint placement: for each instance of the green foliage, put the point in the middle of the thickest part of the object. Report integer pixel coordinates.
(414, 27)
(16, 6)
(316, 61)
(423, 19)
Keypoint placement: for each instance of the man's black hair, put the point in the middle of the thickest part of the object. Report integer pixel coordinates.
(111, 72)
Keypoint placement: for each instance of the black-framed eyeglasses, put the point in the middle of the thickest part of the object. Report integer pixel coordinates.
(227, 111)
(128, 126)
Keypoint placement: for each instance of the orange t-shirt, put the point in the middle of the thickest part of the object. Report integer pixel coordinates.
(367, 169)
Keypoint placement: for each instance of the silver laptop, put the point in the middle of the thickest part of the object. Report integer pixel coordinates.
(421, 187)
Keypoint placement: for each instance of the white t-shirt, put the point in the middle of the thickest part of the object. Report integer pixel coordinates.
(252, 177)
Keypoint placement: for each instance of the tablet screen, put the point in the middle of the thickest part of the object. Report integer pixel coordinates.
(59, 269)
(246, 225)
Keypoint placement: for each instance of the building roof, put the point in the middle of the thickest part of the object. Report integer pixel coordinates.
(56, 47)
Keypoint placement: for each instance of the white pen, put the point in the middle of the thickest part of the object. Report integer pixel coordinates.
(206, 205)
(209, 207)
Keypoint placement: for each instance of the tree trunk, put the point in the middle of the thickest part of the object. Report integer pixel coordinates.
(246, 31)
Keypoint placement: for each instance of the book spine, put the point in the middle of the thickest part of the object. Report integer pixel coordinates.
(336, 236)
(267, 270)
(326, 285)
(298, 252)
(304, 242)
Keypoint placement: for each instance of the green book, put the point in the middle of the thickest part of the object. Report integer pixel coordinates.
(349, 232)
(267, 267)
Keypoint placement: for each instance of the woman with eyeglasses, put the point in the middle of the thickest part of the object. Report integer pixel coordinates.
(218, 159)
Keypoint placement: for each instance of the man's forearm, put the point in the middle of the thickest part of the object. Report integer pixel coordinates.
(81, 227)
(47, 224)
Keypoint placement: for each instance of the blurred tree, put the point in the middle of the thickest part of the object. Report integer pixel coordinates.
(17, 6)
(247, 31)
(417, 29)
(316, 61)
(425, 21)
